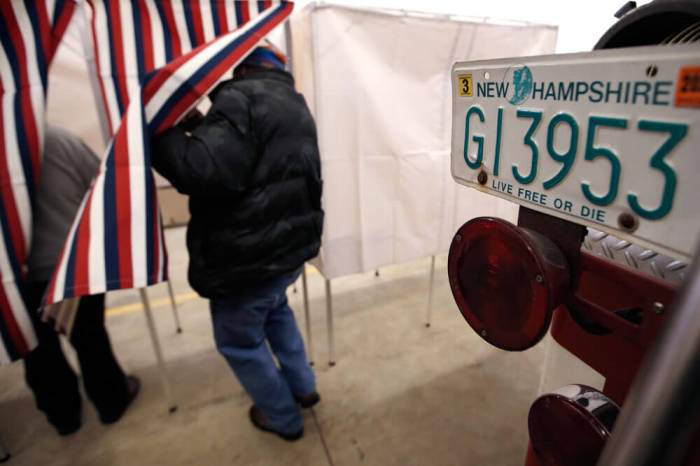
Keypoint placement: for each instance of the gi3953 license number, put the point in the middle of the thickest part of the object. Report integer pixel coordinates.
(524, 165)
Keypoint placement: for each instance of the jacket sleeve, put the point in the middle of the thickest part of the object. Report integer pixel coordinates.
(218, 157)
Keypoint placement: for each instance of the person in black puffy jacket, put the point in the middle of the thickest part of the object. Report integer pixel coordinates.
(252, 170)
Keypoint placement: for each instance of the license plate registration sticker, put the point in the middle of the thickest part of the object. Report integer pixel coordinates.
(594, 138)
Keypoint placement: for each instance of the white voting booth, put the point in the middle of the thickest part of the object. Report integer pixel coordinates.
(378, 84)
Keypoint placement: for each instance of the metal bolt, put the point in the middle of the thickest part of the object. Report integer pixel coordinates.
(658, 307)
(458, 237)
(483, 333)
(627, 221)
(482, 178)
(539, 278)
(652, 70)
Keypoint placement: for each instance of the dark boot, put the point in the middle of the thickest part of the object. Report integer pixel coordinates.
(308, 400)
(257, 417)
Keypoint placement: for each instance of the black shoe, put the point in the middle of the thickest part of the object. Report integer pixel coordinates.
(257, 417)
(133, 386)
(68, 427)
(308, 400)
(66, 421)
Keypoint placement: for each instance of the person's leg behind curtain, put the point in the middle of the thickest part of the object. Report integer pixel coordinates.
(105, 382)
(48, 374)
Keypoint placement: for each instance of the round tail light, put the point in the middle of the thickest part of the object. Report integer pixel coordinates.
(506, 281)
(570, 426)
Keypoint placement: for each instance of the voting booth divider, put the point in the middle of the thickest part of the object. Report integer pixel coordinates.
(378, 84)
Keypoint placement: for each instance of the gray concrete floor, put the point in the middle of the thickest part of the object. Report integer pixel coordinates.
(400, 394)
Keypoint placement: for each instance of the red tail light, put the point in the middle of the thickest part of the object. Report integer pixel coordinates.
(570, 426)
(506, 281)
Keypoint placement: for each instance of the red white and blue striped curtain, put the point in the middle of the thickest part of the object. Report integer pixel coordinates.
(154, 60)
(30, 31)
(133, 38)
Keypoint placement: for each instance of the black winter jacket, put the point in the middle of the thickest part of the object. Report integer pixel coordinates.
(253, 174)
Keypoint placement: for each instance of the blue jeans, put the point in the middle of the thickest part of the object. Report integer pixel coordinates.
(242, 323)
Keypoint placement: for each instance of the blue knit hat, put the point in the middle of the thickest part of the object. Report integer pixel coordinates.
(266, 56)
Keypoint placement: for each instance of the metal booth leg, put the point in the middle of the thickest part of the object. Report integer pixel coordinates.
(172, 407)
(329, 323)
(307, 316)
(430, 290)
(174, 305)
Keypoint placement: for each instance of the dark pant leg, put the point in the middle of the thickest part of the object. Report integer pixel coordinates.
(105, 383)
(48, 374)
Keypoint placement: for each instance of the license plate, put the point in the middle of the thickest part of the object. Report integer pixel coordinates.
(608, 139)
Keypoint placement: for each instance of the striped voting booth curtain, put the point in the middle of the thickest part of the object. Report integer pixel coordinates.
(154, 60)
(132, 39)
(30, 31)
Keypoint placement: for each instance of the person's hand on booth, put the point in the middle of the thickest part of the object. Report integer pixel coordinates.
(192, 120)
